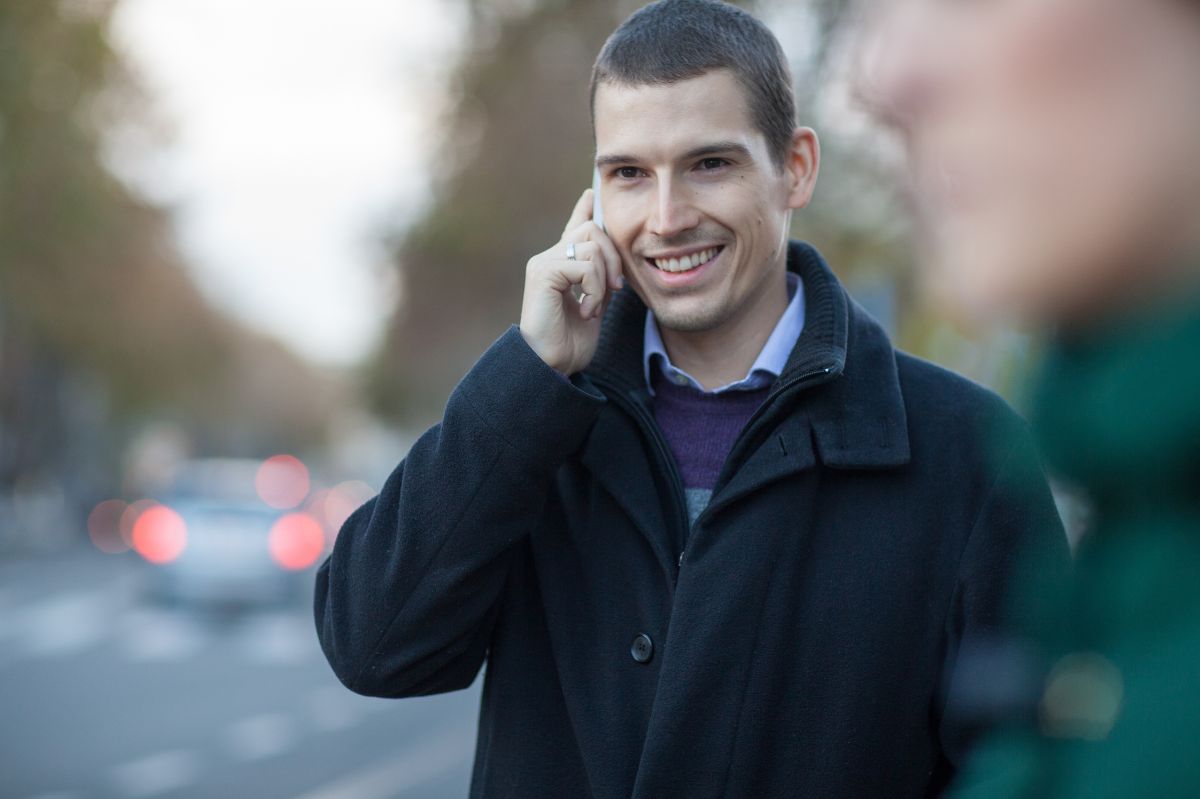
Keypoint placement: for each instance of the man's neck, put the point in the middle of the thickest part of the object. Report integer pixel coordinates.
(726, 353)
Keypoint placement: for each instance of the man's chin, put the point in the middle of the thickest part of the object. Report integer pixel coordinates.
(681, 316)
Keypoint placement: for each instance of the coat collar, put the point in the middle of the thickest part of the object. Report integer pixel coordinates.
(856, 412)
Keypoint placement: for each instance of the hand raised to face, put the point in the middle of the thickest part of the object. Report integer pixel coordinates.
(564, 331)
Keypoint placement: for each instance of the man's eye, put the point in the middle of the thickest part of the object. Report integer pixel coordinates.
(713, 163)
(628, 172)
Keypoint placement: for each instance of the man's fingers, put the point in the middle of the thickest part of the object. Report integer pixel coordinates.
(587, 270)
(590, 244)
(588, 231)
(581, 213)
(594, 287)
(612, 259)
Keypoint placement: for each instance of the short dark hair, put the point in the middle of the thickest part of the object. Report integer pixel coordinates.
(673, 40)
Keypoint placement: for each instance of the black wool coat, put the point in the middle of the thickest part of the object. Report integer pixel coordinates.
(862, 529)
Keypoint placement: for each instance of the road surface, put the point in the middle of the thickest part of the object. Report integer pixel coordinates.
(106, 694)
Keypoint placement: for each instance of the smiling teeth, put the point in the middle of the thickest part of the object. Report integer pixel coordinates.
(687, 262)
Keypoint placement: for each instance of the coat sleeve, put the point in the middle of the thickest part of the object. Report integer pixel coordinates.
(1012, 576)
(407, 598)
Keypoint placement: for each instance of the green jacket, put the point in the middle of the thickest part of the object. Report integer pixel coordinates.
(1117, 414)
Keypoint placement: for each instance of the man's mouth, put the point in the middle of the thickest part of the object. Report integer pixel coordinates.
(685, 263)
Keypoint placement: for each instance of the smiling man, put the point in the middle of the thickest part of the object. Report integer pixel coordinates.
(712, 534)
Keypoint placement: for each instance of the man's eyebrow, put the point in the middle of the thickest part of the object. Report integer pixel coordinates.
(610, 160)
(716, 148)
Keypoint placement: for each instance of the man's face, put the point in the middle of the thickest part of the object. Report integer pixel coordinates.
(692, 199)
(1053, 144)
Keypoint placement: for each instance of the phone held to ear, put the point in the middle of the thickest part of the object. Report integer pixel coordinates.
(597, 209)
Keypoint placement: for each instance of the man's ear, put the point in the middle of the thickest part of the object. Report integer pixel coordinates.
(802, 166)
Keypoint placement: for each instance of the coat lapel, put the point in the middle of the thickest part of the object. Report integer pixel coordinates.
(721, 599)
(630, 480)
(786, 451)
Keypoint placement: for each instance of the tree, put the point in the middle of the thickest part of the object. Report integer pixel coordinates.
(100, 326)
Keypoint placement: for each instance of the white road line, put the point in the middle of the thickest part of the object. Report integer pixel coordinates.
(156, 773)
(279, 638)
(151, 634)
(64, 624)
(333, 708)
(257, 737)
(430, 759)
(60, 624)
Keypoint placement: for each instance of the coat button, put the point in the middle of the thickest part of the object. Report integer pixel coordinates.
(642, 648)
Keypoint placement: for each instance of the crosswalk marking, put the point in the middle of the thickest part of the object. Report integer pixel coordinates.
(261, 736)
(63, 624)
(68, 623)
(157, 773)
(148, 635)
(279, 638)
(333, 708)
(434, 757)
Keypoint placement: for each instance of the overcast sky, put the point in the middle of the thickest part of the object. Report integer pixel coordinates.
(302, 129)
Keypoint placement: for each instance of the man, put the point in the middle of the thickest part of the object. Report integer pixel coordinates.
(1054, 146)
(712, 534)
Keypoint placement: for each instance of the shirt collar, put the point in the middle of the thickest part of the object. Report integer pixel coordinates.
(766, 367)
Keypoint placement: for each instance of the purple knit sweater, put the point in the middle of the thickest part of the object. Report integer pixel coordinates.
(700, 428)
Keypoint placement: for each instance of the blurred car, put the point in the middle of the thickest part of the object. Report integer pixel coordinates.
(213, 541)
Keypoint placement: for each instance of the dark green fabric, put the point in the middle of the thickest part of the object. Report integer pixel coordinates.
(1117, 413)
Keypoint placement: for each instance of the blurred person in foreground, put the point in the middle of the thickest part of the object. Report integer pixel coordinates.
(713, 535)
(1054, 151)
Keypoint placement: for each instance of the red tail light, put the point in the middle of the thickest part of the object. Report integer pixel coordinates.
(159, 534)
(296, 541)
(282, 481)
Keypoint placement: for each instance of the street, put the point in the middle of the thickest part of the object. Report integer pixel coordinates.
(107, 694)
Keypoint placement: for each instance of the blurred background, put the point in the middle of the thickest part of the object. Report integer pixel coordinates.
(246, 250)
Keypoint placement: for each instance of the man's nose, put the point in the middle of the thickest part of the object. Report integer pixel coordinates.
(674, 210)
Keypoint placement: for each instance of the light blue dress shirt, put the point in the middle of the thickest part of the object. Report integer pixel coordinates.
(766, 367)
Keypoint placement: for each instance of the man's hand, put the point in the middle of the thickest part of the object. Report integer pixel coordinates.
(562, 331)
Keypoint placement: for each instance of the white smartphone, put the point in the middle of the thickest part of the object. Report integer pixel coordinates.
(597, 208)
